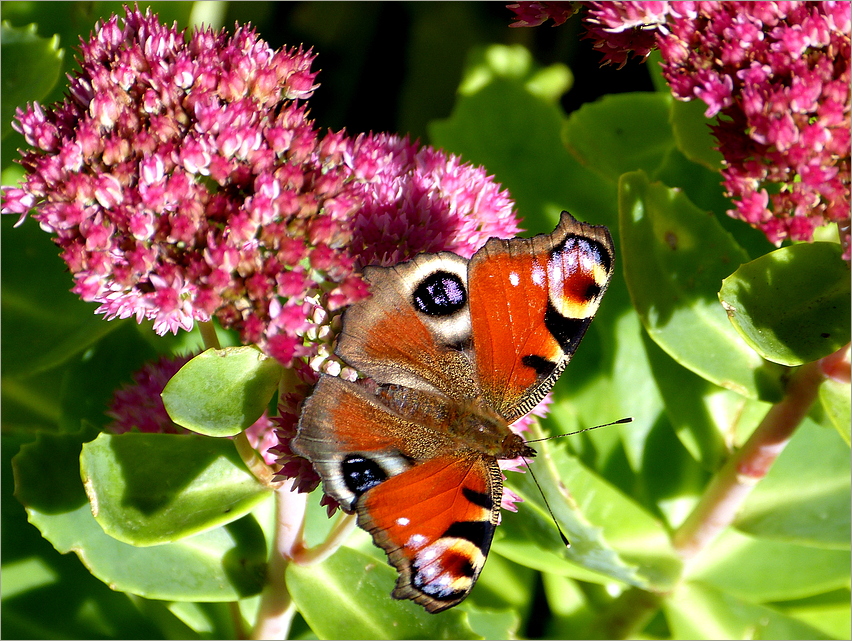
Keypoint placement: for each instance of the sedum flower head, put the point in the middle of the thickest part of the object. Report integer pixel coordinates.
(777, 76)
(183, 181)
(533, 14)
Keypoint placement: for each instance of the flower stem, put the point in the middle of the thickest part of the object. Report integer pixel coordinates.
(254, 461)
(208, 334)
(732, 484)
(277, 609)
(338, 535)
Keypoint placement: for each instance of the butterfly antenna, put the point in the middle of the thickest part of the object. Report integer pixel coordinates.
(540, 491)
(588, 429)
(552, 515)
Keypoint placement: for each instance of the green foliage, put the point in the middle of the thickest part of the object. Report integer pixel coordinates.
(675, 258)
(221, 392)
(149, 489)
(30, 70)
(791, 306)
(178, 527)
(357, 585)
(220, 564)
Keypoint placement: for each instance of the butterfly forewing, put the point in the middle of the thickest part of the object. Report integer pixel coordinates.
(531, 302)
(414, 328)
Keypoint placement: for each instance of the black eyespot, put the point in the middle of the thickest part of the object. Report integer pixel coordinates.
(360, 474)
(440, 294)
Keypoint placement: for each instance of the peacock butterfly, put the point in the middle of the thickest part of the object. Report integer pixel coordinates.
(456, 351)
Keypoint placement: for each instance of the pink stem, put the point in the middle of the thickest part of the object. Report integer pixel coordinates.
(277, 609)
(732, 484)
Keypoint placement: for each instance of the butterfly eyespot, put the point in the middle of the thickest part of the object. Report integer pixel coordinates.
(440, 294)
(360, 474)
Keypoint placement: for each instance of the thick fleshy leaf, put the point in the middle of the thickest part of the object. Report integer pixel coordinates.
(699, 411)
(222, 564)
(791, 306)
(348, 596)
(634, 387)
(503, 584)
(31, 67)
(221, 392)
(693, 135)
(699, 611)
(596, 133)
(674, 258)
(805, 497)
(494, 624)
(828, 612)
(34, 573)
(503, 121)
(149, 489)
(671, 480)
(761, 570)
(610, 535)
(44, 324)
(837, 404)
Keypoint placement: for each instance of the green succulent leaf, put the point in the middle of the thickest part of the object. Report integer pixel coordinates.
(699, 611)
(597, 136)
(505, 120)
(348, 595)
(31, 67)
(602, 547)
(222, 564)
(828, 612)
(149, 489)
(791, 306)
(693, 135)
(805, 497)
(674, 258)
(757, 569)
(693, 405)
(221, 392)
(836, 401)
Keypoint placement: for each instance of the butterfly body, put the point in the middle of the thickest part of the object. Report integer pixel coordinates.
(455, 351)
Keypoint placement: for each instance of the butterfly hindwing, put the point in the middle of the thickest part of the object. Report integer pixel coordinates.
(431, 506)
(353, 440)
(531, 301)
(435, 521)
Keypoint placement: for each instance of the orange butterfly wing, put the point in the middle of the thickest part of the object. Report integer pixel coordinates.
(531, 301)
(436, 522)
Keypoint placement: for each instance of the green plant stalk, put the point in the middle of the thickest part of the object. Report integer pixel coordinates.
(276, 611)
(254, 462)
(337, 537)
(735, 480)
(208, 334)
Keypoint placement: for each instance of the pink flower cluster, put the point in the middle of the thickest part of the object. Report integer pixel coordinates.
(183, 181)
(777, 76)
